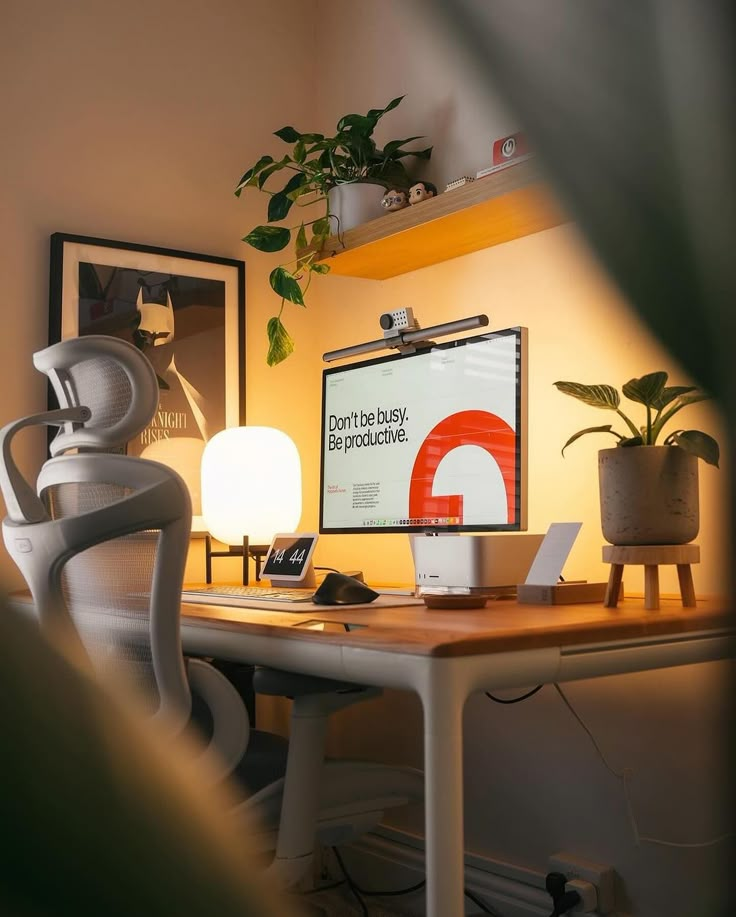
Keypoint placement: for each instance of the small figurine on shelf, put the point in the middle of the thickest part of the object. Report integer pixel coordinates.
(421, 191)
(394, 200)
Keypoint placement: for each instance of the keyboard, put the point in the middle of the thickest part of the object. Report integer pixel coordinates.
(244, 595)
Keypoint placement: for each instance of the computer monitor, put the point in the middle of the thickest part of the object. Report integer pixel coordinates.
(431, 441)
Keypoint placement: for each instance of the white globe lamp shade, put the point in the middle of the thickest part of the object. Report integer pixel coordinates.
(251, 485)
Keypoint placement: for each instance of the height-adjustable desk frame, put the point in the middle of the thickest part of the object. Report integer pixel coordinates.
(445, 656)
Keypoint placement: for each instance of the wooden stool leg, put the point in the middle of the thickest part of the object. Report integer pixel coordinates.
(614, 586)
(651, 587)
(687, 589)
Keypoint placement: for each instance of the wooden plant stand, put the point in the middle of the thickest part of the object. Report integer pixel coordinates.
(651, 556)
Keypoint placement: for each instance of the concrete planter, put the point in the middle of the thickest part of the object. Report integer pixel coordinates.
(354, 203)
(649, 495)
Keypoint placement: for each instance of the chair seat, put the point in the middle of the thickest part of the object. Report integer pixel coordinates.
(264, 761)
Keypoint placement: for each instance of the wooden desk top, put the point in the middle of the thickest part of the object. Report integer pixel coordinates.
(501, 626)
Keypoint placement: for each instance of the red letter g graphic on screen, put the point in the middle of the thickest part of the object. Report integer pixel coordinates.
(467, 428)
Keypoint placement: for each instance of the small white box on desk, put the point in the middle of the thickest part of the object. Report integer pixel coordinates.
(560, 593)
(473, 561)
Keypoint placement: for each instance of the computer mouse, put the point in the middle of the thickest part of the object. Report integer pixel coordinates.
(340, 589)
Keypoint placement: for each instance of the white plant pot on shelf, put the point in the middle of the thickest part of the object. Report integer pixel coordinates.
(354, 203)
(649, 495)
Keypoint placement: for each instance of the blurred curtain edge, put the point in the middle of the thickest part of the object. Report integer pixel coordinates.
(630, 107)
(101, 815)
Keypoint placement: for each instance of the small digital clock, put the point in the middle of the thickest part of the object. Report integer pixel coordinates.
(289, 559)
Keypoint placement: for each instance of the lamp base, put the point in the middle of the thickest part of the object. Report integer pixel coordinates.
(246, 550)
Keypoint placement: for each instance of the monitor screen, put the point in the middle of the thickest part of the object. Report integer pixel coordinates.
(429, 441)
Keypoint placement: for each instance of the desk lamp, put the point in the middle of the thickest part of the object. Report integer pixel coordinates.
(251, 489)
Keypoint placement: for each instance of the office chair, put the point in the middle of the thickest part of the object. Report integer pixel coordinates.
(102, 545)
(103, 541)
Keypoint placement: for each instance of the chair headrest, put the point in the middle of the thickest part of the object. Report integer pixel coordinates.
(108, 375)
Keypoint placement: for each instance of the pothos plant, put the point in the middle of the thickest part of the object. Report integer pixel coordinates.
(315, 165)
(661, 403)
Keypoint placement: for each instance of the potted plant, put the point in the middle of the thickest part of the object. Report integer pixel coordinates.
(649, 492)
(319, 168)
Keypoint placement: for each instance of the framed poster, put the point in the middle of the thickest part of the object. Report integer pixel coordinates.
(186, 312)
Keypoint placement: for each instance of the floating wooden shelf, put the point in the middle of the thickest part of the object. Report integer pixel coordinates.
(498, 208)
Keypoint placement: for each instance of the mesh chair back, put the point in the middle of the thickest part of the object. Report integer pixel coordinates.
(110, 377)
(123, 524)
(107, 589)
(102, 540)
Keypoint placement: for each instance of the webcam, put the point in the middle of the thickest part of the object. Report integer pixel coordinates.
(402, 332)
(394, 323)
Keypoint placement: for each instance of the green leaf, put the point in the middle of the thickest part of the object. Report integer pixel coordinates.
(646, 390)
(694, 398)
(302, 252)
(669, 393)
(376, 113)
(392, 174)
(361, 124)
(598, 396)
(320, 229)
(402, 154)
(269, 170)
(685, 395)
(320, 268)
(288, 134)
(285, 284)
(604, 429)
(249, 177)
(420, 154)
(295, 186)
(280, 344)
(306, 188)
(300, 151)
(631, 441)
(698, 444)
(390, 152)
(268, 238)
(393, 145)
(296, 181)
(278, 207)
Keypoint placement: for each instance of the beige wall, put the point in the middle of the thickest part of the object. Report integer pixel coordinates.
(133, 121)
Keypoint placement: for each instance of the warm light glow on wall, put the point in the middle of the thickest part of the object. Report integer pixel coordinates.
(251, 485)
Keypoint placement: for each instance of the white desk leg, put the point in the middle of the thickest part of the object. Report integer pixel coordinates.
(443, 769)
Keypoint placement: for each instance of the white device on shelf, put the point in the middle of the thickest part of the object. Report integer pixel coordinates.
(473, 563)
(289, 560)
